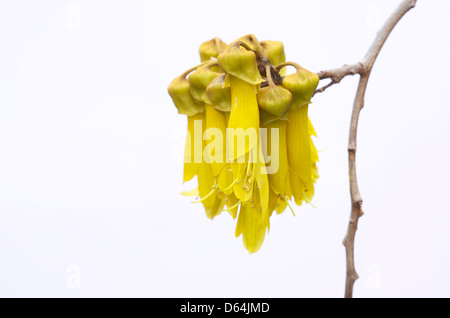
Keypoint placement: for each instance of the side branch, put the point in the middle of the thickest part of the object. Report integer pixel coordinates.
(337, 74)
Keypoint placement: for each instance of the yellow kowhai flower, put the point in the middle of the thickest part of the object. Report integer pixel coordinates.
(194, 163)
(251, 184)
(180, 91)
(235, 91)
(302, 154)
(243, 124)
(274, 101)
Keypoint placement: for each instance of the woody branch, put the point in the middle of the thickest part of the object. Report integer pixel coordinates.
(363, 68)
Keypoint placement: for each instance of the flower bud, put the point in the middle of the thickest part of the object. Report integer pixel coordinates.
(180, 92)
(274, 99)
(199, 81)
(241, 63)
(219, 94)
(212, 48)
(302, 85)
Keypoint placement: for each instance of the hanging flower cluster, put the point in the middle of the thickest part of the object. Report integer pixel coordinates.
(249, 135)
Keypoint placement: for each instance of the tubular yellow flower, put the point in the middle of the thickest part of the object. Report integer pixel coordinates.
(212, 162)
(302, 154)
(245, 153)
(273, 109)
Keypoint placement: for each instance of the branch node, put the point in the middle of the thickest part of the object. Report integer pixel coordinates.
(357, 203)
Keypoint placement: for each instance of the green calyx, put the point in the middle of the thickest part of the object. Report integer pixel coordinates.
(302, 85)
(266, 118)
(212, 48)
(252, 43)
(219, 94)
(180, 92)
(200, 79)
(274, 99)
(274, 51)
(240, 62)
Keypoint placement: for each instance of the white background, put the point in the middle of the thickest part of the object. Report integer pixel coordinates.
(91, 148)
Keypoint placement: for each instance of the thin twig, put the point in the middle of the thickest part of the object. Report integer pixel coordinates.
(364, 69)
(323, 88)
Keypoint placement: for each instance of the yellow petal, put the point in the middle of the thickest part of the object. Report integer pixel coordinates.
(299, 144)
(243, 174)
(225, 180)
(252, 226)
(277, 203)
(311, 129)
(194, 146)
(262, 182)
(231, 202)
(279, 179)
(302, 155)
(298, 188)
(213, 204)
(215, 149)
(244, 119)
(282, 205)
(191, 193)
